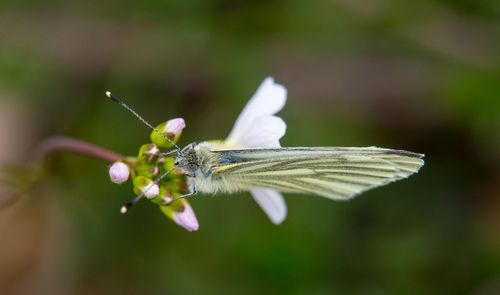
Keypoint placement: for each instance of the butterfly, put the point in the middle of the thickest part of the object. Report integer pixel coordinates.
(252, 159)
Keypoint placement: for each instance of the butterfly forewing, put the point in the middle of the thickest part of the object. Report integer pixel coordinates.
(336, 173)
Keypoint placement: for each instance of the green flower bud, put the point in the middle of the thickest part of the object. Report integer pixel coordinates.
(148, 153)
(147, 186)
(171, 129)
(166, 164)
(165, 196)
(174, 183)
(147, 170)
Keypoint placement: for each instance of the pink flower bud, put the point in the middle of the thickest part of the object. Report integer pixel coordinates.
(151, 190)
(119, 172)
(174, 127)
(171, 129)
(185, 217)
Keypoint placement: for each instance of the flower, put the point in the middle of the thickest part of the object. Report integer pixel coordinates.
(148, 171)
(258, 127)
(119, 172)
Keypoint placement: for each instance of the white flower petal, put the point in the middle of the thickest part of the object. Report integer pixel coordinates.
(272, 202)
(266, 132)
(269, 99)
(257, 127)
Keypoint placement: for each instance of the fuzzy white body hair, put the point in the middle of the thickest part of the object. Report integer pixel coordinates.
(204, 184)
(203, 179)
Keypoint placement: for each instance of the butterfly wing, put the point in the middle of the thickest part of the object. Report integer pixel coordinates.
(258, 127)
(335, 173)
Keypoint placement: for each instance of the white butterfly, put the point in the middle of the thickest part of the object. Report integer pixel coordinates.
(251, 159)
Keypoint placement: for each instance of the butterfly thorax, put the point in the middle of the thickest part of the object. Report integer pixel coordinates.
(199, 161)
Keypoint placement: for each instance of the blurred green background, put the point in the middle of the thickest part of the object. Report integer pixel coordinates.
(422, 76)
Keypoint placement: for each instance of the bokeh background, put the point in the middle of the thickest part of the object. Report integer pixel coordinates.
(417, 75)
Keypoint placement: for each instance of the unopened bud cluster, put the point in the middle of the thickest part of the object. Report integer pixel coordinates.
(145, 170)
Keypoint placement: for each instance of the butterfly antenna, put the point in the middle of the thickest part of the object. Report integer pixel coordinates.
(127, 206)
(115, 99)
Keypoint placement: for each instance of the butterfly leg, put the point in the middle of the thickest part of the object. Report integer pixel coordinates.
(169, 152)
(194, 192)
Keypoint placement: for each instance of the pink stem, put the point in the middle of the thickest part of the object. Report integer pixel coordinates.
(64, 144)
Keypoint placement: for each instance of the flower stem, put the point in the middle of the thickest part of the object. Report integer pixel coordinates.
(64, 144)
(15, 186)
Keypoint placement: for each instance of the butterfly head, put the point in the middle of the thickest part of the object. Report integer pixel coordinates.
(188, 159)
